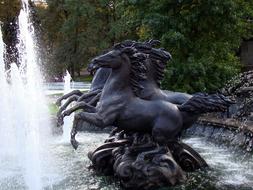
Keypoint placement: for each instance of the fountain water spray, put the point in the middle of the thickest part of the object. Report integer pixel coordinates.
(25, 123)
(4, 119)
(36, 116)
(67, 120)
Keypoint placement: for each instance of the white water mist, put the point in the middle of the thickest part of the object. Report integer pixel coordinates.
(68, 121)
(25, 124)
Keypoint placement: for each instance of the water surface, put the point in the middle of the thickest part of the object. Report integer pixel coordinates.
(67, 169)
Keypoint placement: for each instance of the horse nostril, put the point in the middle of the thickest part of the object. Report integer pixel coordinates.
(95, 60)
(90, 66)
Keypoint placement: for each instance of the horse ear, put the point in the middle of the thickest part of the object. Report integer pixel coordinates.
(154, 43)
(140, 56)
(118, 46)
(128, 43)
(129, 50)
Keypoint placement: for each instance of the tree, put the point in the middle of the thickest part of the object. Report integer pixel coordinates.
(9, 10)
(203, 37)
(77, 30)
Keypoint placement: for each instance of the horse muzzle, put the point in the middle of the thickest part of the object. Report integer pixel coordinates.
(92, 68)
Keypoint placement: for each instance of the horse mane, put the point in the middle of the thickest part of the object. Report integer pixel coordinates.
(138, 70)
(159, 58)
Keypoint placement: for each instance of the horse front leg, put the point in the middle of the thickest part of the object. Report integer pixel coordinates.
(89, 94)
(84, 97)
(66, 104)
(95, 99)
(93, 118)
(79, 105)
(65, 96)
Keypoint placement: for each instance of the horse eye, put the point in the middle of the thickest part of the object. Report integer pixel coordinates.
(111, 55)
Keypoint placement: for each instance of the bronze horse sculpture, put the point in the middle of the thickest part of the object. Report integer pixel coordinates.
(120, 105)
(91, 97)
(145, 153)
(155, 73)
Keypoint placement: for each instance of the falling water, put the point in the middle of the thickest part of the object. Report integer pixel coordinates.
(4, 119)
(35, 115)
(24, 125)
(1, 55)
(67, 120)
(3, 83)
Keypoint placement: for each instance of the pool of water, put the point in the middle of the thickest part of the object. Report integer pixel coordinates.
(67, 169)
(63, 168)
(229, 168)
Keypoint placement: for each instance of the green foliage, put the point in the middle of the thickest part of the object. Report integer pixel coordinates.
(9, 9)
(53, 109)
(203, 36)
(77, 30)
(84, 78)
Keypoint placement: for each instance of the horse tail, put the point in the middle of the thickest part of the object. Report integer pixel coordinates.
(204, 103)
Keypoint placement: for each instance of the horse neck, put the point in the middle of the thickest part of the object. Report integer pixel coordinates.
(150, 85)
(100, 78)
(119, 81)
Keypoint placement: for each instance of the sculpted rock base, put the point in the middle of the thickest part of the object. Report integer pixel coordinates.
(139, 163)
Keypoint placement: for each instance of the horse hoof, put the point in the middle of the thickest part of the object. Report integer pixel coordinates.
(77, 116)
(59, 124)
(58, 103)
(90, 155)
(60, 121)
(65, 113)
(74, 144)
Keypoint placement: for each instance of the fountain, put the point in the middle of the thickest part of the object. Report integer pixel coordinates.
(25, 123)
(24, 152)
(4, 118)
(68, 120)
(236, 125)
(144, 151)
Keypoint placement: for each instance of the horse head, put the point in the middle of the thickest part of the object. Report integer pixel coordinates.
(112, 59)
(133, 61)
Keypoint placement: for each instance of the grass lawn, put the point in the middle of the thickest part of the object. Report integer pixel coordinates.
(87, 78)
(51, 104)
(52, 108)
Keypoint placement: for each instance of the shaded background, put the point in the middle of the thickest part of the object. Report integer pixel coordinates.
(210, 40)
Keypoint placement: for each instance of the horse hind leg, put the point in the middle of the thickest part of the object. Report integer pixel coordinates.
(165, 130)
(73, 133)
(93, 118)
